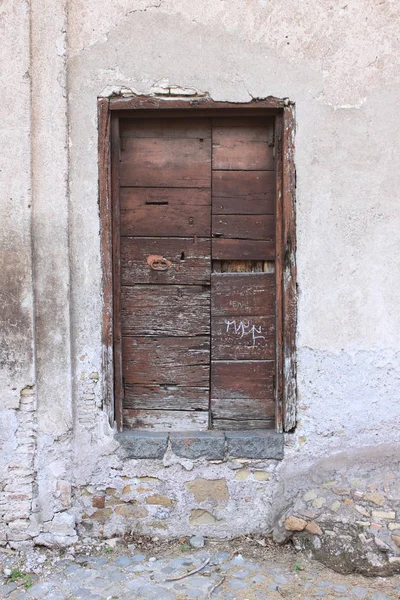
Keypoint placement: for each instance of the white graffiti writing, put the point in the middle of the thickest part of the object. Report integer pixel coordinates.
(243, 328)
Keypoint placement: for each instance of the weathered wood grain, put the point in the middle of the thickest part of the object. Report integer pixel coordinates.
(166, 162)
(178, 212)
(243, 192)
(246, 227)
(166, 128)
(166, 397)
(289, 309)
(243, 409)
(190, 260)
(243, 338)
(243, 424)
(244, 147)
(163, 360)
(242, 294)
(257, 128)
(168, 310)
(166, 420)
(234, 380)
(233, 249)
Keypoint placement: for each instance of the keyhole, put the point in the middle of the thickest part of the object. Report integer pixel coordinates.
(182, 256)
(191, 220)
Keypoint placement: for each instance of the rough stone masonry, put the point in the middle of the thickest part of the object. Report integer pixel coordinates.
(64, 472)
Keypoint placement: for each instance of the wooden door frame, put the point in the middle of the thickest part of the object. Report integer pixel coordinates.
(109, 112)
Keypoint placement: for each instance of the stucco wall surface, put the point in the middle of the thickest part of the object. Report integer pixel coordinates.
(339, 64)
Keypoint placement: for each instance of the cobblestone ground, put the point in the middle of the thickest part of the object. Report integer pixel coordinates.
(234, 571)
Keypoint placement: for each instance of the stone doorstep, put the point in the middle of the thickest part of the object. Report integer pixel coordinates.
(213, 445)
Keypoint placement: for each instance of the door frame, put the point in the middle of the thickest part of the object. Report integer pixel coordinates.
(109, 112)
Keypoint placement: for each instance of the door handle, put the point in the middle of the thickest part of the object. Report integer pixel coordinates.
(158, 262)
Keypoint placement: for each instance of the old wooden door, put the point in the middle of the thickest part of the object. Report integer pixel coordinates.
(195, 280)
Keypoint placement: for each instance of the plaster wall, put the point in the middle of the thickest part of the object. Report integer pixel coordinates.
(339, 63)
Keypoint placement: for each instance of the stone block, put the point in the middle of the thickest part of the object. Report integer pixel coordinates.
(209, 490)
(255, 444)
(207, 444)
(143, 444)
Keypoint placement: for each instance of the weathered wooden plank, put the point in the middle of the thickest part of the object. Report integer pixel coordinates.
(165, 162)
(166, 360)
(242, 294)
(166, 128)
(243, 338)
(234, 380)
(246, 227)
(166, 397)
(178, 212)
(243, 409)
(198, 106)
(289, 271)
(229, 249)
(168, 310)
(247, 148)
(243, 424)
(188, 260)
(254, 129)
(166, 420)
(243, 192)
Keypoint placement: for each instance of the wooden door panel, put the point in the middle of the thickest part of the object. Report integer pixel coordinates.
(166, 397)
(166, 128)
(165, 212)
(242, 379)
(243, 147)
(189, 258)
(175, 315)
(227, 249)
(166, 360)
(243, 338)
(165, 310)
(245, 227)
(242, 294)
(166, 420)
(243, 192)
(166, 162)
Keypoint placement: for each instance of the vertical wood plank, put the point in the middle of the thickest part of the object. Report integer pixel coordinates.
(289, 270)
(118, 384)
(279, 277)
(105, 203)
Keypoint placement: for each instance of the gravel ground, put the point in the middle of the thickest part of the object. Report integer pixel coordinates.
(246, 568)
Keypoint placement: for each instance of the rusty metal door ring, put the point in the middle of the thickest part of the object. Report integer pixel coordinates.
(158, 262)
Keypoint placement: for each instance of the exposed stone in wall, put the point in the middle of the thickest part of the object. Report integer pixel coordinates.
(18, 498)
(351, 523)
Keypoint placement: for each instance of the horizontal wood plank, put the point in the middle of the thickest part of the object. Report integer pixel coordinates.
(247, 148)
(243, 424)
(166, 360)
(252, 128)
(242, 294)
(189, 260)
(233, 249)
(243, 338)
(166, 420)
(165, 162)
(166, 397)
(165, 310)
(242, 409)
(246, 227)
(178, 212)
(243, 192)
(240, 380)
(166, 128)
